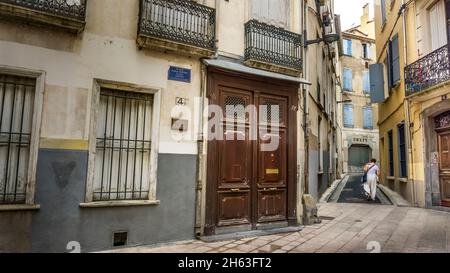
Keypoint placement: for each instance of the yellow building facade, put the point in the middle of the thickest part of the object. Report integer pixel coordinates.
(412, 46)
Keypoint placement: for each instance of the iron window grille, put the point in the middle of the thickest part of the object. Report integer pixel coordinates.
(181, 21)
(428, 71)
(122, 161)
(16, 119)
(270, 44)
(75, 9)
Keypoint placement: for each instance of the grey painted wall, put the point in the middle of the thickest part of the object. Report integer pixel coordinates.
(61, 181)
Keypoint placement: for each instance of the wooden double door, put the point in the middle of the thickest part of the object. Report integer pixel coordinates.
(252, 160)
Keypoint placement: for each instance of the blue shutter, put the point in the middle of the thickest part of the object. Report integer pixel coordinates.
(395, 60)
(347, 47)
(348, 116)
(383, 11)
(348, 75)
(368, 117)
(376, 83)
(366, 82)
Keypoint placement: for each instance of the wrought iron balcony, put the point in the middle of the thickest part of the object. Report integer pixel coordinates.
(272, 48)
(429, 71)
(65, 14)
(177, 25)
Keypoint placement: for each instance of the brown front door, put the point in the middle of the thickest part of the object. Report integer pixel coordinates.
(444, 166)
(249, 180)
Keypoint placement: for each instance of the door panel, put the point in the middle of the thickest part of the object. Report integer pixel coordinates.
(234, 208)
(271, 205)
(235, 159)
(444, 167)
(272, 167)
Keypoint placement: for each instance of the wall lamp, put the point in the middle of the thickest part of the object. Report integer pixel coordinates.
(329, 38)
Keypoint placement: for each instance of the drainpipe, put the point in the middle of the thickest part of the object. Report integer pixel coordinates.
(305, 100)
(408, 113)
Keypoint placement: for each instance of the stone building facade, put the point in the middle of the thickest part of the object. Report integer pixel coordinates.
(360, 116)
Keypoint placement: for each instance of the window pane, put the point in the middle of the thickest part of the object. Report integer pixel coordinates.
(123, 146)
(16, 117)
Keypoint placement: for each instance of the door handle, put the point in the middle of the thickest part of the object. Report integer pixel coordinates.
(235, 190)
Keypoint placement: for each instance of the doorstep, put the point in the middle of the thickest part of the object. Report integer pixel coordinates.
(247, 234)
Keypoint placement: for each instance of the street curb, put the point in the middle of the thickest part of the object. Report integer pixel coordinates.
(330, 191)
(394, 197)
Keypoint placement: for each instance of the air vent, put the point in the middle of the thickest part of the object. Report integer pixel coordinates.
(120, 238)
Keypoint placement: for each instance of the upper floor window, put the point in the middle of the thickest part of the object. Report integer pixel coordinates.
(274, 12)
(393, 62)
(348, 47)
(366, 82)
(366, 51)
(348, 116)
(348, 77)
(383, 11)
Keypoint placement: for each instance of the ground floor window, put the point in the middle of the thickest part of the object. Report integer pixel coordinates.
(123, 146)
(16, 121)
(391, 153)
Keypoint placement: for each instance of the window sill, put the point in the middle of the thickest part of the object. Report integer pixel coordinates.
(19, 207)
(403, 180)
(109, 204)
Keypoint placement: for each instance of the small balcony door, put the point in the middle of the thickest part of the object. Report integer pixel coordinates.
(437, 26)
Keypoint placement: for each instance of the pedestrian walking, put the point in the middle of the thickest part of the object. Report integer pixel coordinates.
(370, 180)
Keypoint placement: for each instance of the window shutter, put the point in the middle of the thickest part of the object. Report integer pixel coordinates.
(395, 60)
(348, 75)
(348, 115)
(348, 47)
(376, 83)
(368, 117)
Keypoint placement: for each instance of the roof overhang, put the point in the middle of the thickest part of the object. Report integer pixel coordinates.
(235, 65)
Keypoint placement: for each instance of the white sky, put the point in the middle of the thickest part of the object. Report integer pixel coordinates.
(351, 11)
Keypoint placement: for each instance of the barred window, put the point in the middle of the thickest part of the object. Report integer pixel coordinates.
(16, 120)
(123, 146)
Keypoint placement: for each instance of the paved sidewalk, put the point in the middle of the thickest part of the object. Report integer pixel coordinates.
(346, 228)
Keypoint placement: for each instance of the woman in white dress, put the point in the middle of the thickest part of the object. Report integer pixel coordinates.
(370, 186)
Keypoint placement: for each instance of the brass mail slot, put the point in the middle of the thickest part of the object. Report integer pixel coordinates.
(272, 171)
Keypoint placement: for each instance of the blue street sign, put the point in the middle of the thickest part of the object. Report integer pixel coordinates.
(179, 74)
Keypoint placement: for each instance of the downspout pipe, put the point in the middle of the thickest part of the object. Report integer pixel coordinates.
(408, 112)
(305, 101)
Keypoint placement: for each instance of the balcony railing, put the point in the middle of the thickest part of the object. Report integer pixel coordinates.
(272, 48)
(179, 25)
(428, 71)
(67, 14)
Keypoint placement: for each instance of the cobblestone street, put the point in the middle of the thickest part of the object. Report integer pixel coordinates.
(345, 228)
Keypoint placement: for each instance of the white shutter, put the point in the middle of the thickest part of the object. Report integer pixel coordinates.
(260, 10)
(438, 26)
